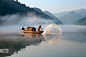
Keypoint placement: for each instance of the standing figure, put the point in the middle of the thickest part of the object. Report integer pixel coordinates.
(39, 28)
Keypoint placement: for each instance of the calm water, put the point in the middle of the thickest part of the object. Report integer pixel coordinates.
(72, 42)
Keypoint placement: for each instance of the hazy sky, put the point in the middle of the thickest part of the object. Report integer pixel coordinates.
(55, 6)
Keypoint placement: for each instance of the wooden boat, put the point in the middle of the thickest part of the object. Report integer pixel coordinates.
(31, 30)
(34, 32)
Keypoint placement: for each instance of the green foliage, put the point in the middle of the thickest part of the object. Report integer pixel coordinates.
(13, 7)
(82, 21)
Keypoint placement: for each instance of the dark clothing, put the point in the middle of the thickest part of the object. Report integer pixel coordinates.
(38, 29)
(23, 28)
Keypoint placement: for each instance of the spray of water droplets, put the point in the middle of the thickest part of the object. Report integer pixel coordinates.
(52, 34)
(53, 29)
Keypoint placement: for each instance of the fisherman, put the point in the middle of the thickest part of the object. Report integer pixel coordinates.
(39, 28)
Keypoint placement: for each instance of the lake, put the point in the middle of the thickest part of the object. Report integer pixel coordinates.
(71, 43)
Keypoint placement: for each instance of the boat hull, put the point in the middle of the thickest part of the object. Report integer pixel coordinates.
(34, 32)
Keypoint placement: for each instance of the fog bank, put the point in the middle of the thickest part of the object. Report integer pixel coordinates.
(23, 20)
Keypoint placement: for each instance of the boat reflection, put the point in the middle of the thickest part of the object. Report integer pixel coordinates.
(30, 35)
(50, 38)
(15, 43)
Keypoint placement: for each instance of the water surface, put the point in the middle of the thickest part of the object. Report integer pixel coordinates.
(72, 42)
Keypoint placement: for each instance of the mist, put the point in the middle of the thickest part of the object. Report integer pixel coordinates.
(13, 23)
(17, 19)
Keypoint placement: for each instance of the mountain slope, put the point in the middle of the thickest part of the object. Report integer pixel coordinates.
(83, 13)
(55, 18)
(79, 10)
(70, 17)
(61, 14)
(11, 7)
(37, 9)
(82, 21)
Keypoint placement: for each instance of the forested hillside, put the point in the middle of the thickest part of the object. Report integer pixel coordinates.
(82, 21)
(12, 7)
